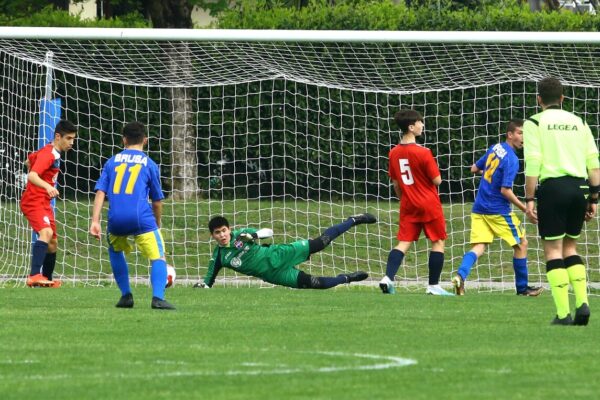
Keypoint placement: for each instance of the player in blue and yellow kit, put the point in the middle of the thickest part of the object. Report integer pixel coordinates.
(492, 215)
(127, 180)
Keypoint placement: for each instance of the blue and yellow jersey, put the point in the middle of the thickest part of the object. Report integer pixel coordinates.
(500, 165)
(128, 179)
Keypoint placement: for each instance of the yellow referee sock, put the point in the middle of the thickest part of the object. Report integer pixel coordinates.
(558, 279)
(578, 280)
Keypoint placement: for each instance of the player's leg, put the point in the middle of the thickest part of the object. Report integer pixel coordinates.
(38, 254)
(435, 231)
(408, 232)
(117, 247)
(151, 245)
(335, 231)
(50, 262)
(468, 261)
(552, 221)
(573, 262)
(306, 281)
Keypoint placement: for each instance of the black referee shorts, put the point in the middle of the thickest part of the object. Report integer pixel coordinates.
(561, 207)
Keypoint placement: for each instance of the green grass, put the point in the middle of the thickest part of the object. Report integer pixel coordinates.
(252, 343)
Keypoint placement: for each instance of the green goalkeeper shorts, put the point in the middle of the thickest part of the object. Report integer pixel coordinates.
(283, 260)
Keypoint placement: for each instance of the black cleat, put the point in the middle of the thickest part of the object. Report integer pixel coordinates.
(562, 321)
(582, 315)
(160, 304)
(365, 218)
(531, 291)
(356, 276)
(125, 301)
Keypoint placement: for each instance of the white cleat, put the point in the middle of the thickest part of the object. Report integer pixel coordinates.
(437, 290)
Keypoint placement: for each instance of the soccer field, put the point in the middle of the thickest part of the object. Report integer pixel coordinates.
(251, 343)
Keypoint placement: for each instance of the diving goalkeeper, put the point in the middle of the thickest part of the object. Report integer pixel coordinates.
(276, 263)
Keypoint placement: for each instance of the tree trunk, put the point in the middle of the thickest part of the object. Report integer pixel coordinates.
(184, 159)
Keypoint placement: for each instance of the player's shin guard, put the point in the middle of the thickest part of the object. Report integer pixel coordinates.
(158, 277)
(393, 263)
(578, 279)
(436, 263)
(120, 270)
(38, 253)
(469, 259)
(521, 274)
(49, 264)
(558, 278)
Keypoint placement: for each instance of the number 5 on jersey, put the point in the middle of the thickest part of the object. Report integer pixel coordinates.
(134, 172)
(407, 177)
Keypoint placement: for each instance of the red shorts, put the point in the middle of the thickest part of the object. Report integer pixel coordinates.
(40, 217)
(411, 230)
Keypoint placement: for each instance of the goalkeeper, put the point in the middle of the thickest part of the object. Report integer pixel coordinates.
(276, 263)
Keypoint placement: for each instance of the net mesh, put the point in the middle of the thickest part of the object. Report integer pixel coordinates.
(293, 136)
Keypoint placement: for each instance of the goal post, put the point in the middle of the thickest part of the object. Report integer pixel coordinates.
(283, 129)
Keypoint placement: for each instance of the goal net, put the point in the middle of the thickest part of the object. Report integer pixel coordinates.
(270, 129)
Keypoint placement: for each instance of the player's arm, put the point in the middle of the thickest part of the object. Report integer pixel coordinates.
(248, 234)
(510, 196)
(475, 169)
(157, 211)
(397, 189)
(437, 181)
(36, 180)
(532, 154)
(95, 228)
(27, 164)
(593, 168)
(432, 169)
(214, 266)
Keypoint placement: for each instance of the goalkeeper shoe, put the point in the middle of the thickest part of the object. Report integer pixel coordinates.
(582, 315)
(356, 276)
(56, 283)
(437, 290)
(365, 218)
(160, 304)
(38, 280)
(531, 291)
(387, 286)
(458, 283)
(126, 301)
(562, 321)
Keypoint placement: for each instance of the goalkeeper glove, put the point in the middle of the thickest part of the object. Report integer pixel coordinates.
(247, 237)
(201, 285)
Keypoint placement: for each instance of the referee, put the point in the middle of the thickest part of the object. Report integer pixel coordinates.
(560, 153)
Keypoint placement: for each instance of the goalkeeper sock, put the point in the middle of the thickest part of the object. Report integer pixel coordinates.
(558, 278)
(158, 278)
(469, 259)
(578, 279)
(49, 263)
(436, 263)
(393, 263)
(521, 274)
(120, 270)
(326, 282)
(38, 253)
(336, 230)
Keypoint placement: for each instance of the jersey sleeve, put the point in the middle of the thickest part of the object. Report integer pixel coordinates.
(510, 171)
(104, 180)
(392, 167)
(532, 150)
(431, 166)
(591, 159)
(155, 192)
(214, 266)
(43, 162)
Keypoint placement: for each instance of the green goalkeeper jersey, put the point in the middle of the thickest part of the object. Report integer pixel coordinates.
(558, 143)
(274, 264)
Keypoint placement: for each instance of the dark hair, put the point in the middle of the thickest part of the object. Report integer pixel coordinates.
(134, 132)
(217, 222)
(405, 118)
(550, 89)
(65, 127)
(514, 124)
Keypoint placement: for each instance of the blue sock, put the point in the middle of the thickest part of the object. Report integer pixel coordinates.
(336, 230)
(521, 279)
(158, 278)
(393, 263)
(38, 254)
(120, 270)
(469, 259)
(436, 263)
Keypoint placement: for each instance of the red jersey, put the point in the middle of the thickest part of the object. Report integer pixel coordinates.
(46, 162)
(414, 168)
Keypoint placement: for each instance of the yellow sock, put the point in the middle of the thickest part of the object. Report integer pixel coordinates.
(579, 282)
(559, 283)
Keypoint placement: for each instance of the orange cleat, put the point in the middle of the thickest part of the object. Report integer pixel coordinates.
(56, 284)
(38, 280)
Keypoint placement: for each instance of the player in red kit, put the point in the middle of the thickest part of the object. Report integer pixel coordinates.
(416, 176)
(44, 166)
